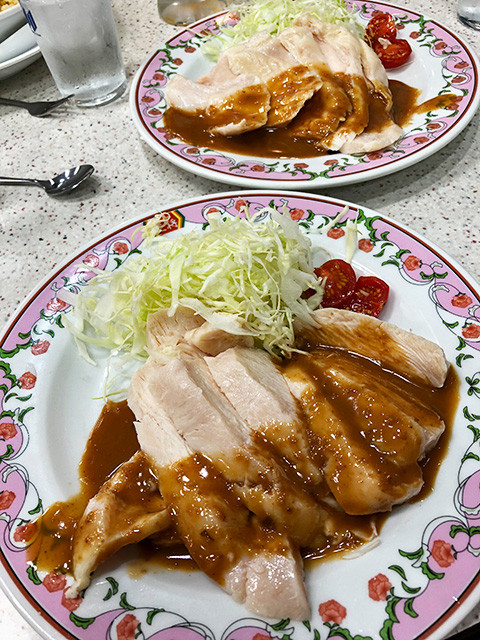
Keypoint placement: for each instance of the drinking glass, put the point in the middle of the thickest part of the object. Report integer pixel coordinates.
(182, 12)
(79, 42)
(468, 12)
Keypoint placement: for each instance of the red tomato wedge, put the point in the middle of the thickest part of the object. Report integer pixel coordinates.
(394, 54)
(381, 33)
(342, 289)
(369, 296)
(382, 25)
(340, 280)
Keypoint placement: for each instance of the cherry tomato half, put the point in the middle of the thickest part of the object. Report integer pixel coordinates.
(382, 25)
(369, 296)
(340, 282)
(394, 54)
(381, 33)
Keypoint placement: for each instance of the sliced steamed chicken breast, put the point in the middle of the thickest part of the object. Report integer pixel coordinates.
(400, 351)
(127, 508)
(252, 383)
(257, 566)
(357, 69)
(371, 432)
(290, 83)
(186, 392)
(167, 334)
(317, 77)
(381, 130)
(253, 84)
(228, 103)
(342, 53)
(330, 105)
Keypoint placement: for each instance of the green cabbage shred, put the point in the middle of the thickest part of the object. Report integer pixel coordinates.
(274, 16)
(243, 276)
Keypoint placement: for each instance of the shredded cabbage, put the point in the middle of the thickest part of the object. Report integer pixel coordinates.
(244, 277)
(351, 239)
(274, 16)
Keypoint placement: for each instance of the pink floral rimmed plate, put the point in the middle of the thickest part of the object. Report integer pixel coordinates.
(441, 63)
(418, 583)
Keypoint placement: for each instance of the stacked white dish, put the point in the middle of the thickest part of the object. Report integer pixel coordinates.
(18, 47)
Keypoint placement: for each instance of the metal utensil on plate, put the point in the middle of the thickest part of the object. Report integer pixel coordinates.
(38, 109)
(59, 185)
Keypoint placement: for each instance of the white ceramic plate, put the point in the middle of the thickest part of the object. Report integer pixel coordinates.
(13, 65)
(11, 19)
(418, 583)
(18, 43)
(441, 63)
(19, 49)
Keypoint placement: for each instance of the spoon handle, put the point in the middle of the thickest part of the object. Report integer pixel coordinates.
(25, 182)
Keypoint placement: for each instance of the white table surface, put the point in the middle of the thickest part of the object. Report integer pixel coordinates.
(439, 197)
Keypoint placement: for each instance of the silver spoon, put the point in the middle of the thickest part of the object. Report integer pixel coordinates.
(59, 185)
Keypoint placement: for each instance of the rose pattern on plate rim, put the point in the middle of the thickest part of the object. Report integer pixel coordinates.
(417, 588)
(458, 76)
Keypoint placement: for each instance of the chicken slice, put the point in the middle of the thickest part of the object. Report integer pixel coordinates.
(187, 394)
(301, 44)
(127, 508)
(375, 74)
(212, 340)
(342, 53)
(358, 118)
(168, 334)
(400, 351)
(381, 130)
(289, 82)
(256, 566)
(342, 531)
(373, 140)
(259, 393)
(369, 438)
(330, 106)
(227, 103)
(323, 114)
(397, 423)
(165, 331)
(276, 591)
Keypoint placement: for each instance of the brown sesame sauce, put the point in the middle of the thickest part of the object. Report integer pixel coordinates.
(406, 105)
(317, 120)
(363, 417)
(209, 513)
(112, 441)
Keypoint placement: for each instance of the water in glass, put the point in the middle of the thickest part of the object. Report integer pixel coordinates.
(182, 12)
(79, 43)
(469, 12)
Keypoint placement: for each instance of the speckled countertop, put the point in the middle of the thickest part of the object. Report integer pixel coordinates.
(438, 197)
